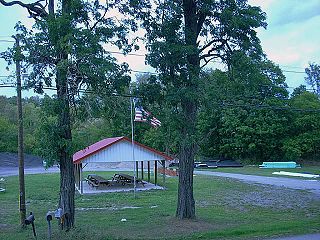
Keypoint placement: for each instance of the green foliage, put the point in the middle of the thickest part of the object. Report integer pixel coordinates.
(313, 76)
(304, 138)
(48, 140)
(241, 115)
(99, 117)
(81, 33)
(8, 125)
(8, 136)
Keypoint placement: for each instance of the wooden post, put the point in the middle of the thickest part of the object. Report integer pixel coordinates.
(142, 170)
(22, 193)
(155, 172)
(148, 171)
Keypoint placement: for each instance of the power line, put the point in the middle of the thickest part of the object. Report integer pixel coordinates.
(130, 54)
(287, 66)
(7, 41)
(114, 52)
(143, 55)
(275, 86)
(152, 73)
(223, 104)
(3, 76)
(81, 90)
(289, 71)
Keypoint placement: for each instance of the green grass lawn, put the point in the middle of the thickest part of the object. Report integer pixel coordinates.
(226, 209)
(255, 170)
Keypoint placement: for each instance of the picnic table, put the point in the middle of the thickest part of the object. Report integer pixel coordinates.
(125, 179)
(96, 180)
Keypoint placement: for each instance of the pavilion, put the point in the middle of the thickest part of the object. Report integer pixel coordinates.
(114, 150)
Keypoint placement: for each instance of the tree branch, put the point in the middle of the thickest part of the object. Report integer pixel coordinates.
(210, 43)
(213, 56)
(201, 18)
(35, 9)
(99, 20)
(210, 53)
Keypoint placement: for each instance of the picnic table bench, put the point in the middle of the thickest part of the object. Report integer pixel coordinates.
(125, 179)
(96, 180)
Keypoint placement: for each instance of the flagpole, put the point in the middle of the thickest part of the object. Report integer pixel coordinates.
(132, 144)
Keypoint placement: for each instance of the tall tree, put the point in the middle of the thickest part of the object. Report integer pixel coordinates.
(303, 140)
(313, 76)
(183, 36)
(241, 114)
(67, 49)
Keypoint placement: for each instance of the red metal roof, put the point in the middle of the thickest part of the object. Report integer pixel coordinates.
(98, 146)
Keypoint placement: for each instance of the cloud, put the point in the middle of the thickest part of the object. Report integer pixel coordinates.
(292, 11)
(264, 4)
(291, 39)
(292, 43)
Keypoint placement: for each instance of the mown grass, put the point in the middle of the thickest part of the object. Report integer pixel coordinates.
(226, 209)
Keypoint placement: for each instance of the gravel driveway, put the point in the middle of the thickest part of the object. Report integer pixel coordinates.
(299, 184)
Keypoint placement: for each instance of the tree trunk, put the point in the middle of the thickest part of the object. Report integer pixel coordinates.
(67, 188)
(189, 102)
(186, 204)
(67, 180)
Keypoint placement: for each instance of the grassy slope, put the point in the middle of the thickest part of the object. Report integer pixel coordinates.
(226, 209)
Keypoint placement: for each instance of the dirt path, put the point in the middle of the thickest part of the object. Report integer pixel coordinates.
(299, 184)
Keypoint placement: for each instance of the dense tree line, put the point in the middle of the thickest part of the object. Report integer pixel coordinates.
(251, 121)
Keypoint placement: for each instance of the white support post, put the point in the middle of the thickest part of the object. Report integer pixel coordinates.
(132, 144)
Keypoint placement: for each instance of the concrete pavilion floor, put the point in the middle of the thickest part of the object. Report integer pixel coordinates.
(87, 189)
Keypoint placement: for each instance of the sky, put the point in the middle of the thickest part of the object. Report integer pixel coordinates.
(291, 39)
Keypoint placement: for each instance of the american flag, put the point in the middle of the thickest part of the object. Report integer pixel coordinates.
(142, 115)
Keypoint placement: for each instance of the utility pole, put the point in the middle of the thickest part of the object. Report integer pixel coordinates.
(22, 193)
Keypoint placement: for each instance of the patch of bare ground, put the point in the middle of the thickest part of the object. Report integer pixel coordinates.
(7, 227)
(172, 227)
(3, 226)
(270, 196)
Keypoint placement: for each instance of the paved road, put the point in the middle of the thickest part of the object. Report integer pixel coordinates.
(309, 185)
(315, 236)
(13, 171)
